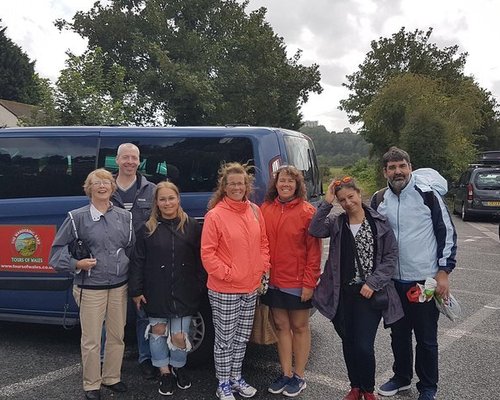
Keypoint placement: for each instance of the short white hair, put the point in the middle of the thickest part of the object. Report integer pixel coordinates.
(124, 146)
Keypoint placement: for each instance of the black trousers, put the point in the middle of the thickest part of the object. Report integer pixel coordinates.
(421, 319)
(356, 322)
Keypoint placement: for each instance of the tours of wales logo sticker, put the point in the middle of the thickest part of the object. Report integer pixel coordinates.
(26, 248)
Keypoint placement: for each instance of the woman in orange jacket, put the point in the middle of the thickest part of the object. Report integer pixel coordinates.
(295, 269)
(235, 254)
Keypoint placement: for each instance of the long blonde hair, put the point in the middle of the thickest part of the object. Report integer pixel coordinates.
(224, 171)
(152, 222)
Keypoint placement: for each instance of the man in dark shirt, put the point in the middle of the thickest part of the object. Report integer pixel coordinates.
(135, 193)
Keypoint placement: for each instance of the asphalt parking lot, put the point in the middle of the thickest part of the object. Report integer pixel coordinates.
(42, 362)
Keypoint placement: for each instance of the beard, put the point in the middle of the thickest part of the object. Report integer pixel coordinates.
(399, 183)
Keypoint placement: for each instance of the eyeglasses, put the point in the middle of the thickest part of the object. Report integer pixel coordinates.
(338, 182)
(235, 184)
(99, 183)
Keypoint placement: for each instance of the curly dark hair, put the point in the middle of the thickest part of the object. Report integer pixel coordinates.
(300, 190)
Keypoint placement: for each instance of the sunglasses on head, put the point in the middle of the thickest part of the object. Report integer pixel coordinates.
(338, 182)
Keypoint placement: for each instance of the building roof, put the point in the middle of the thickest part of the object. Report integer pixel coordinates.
(20, 110)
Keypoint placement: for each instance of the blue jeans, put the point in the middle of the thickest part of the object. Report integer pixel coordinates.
(422, 319)
(163, 351)
(141, 323)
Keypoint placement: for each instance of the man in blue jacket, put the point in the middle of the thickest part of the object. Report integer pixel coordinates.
(427, 248)
(135, 194)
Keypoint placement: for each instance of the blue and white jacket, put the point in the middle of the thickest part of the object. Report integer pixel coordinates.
(422, 225)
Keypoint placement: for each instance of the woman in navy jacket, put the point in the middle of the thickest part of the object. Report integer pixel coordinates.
(362, 258)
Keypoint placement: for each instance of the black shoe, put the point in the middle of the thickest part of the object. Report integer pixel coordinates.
(183, 380)
(166, 387)
(118, 387)
(93, 394)
(148, 370)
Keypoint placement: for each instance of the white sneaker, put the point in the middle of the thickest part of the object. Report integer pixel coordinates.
(224, 391)
(242, 388)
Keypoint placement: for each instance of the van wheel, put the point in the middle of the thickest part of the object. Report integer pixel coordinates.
(465, 214)
(202, 336)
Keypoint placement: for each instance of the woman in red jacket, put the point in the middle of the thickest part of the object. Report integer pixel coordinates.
(295, 269)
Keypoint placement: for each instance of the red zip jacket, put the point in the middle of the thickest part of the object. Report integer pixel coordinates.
(295, 255)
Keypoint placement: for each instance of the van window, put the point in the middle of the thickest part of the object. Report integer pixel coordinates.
(45, 166)
(302, 156)
(191, 163)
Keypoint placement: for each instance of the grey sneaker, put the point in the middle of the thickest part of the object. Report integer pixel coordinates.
(242, 388)
(224, 391)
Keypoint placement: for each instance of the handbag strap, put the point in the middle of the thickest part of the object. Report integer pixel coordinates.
(74, 225)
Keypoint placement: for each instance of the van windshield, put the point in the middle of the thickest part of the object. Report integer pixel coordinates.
(488, 180)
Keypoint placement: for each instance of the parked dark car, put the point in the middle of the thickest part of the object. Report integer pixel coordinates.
(477, 192)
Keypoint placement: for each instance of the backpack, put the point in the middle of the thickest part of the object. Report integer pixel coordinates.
(424, 178)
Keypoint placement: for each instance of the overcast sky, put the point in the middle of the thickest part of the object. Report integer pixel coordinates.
(335, 34)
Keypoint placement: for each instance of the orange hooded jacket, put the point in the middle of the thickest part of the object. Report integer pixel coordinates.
(234, 247)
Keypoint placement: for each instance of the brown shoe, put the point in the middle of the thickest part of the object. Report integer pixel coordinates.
(369, 396)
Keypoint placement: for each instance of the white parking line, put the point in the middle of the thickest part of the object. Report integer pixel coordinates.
(16, 388)
(485, 230)
(315, 377)
(450, 336)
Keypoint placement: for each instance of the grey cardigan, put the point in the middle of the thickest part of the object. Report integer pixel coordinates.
(110, 240)
(326, 295)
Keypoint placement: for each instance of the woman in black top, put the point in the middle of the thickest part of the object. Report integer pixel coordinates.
(166, 278)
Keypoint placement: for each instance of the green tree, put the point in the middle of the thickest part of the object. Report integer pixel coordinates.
(18, 80)
(87, 93)
(469, 114)
(424, 116)
(199, 62)
(48, 114)
(403, 52)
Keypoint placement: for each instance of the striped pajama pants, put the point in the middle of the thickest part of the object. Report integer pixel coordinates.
(232, 315)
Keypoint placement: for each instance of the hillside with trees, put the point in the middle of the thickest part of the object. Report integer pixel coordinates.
(337, 149)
